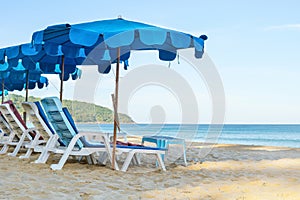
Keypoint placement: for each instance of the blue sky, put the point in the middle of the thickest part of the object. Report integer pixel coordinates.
(255, 46)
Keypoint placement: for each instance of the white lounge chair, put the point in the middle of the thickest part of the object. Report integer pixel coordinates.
(8, 136)
(37, 117)
(19, 134)
(76, 144)
(4, 130)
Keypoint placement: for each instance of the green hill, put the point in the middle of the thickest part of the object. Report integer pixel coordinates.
(82, 112)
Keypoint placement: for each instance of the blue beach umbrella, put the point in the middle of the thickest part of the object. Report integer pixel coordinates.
(110, 41)
(39, 58)
(18, 78)
(30, 55)
(107, 36)
(4, 73)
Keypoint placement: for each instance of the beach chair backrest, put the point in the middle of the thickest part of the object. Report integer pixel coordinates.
(35, 117)
(16, 112)
(71, 120)
(4, 127)
(11, 118)
(59, 121)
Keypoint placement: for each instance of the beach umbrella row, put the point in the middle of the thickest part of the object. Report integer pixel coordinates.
(101, 43)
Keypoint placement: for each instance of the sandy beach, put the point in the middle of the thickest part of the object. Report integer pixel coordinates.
(227, 172)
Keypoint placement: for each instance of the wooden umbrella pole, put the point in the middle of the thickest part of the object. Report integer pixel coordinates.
(2, 90)
(27, 85)
(62, 77)
(26, 94)
(116, 96)
(116, 117)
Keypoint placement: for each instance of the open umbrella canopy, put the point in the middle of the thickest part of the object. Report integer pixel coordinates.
(19, 78)
(105, 36)
(38, 58)
(11, 85)
(16, 78)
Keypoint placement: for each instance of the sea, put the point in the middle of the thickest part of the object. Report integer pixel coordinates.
(246, 134)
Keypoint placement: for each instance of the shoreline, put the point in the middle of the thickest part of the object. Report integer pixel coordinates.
(226, 172)
(249, 145)
(266, 135)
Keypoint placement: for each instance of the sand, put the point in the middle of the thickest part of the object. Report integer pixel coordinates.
(227, 172)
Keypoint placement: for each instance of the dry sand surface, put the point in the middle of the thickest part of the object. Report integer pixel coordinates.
(227, 172)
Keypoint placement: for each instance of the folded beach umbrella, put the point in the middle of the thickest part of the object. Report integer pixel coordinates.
(111, 41)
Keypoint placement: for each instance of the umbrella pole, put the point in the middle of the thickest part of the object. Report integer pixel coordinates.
(2, 90)
(26, 94)
(116, 96)
(62, 77)
(27, 85)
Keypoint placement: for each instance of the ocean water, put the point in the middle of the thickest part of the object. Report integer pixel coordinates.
(267, 135)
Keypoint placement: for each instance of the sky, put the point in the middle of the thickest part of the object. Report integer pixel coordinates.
(254, 45)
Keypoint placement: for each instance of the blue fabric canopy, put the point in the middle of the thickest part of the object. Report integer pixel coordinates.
(15, 79)
(93, 43)
(39, 58)
(104, 37)
(5, 93)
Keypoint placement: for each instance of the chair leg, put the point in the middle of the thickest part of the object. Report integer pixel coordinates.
(31, 147)
(160, 162)
(28, 153)
(66, 155)
(136, 159)
(6, 146)
(62, 161)
(94, 160)
(127, 161)
(4, 149)
(43, 157)
(45, 152)
(109, 152)
(89, 159)
(103, 157)
(20, 143)
(184, 154)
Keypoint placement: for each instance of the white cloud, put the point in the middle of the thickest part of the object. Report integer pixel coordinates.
(283, 27)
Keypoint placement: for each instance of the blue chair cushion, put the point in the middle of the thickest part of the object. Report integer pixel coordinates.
(71, 120)
(141, 147)
(43, 115)
(45, 119)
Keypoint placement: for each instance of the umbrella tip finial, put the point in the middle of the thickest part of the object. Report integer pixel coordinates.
(120, 17)
(203, 37)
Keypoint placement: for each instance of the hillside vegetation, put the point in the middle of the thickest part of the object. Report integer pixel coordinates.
(81, 111)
